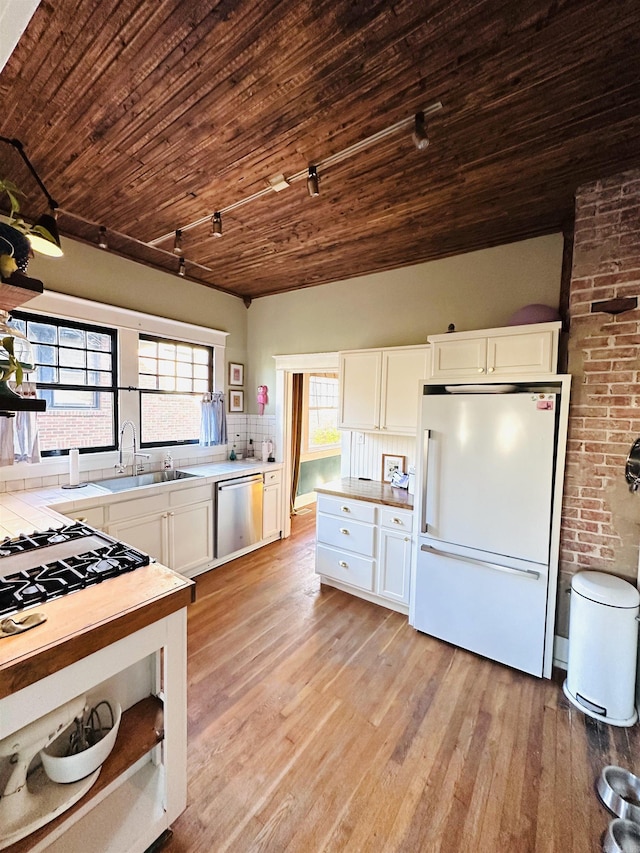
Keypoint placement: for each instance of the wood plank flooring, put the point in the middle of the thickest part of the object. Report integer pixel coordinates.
(320, 722)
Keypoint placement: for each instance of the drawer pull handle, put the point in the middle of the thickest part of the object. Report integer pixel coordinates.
(344, 530)
(343, 565)
(345, 509)
(397, 521)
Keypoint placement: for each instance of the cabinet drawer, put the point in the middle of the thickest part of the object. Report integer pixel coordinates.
(141, 506)
(396, 519)
(272, 477)
(191, 495)
(347, 535)
(354, 510)
(348, 568)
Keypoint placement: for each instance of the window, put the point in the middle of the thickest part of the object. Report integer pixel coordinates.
(173, 376)
(320, 414)
(75, 374)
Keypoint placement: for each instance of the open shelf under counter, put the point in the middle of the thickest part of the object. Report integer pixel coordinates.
(141, 729)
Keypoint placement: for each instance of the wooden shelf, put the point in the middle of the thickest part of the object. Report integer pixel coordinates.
(141, 728)
(12, 296)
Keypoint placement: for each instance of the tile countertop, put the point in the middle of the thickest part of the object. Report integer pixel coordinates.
(37, 509)
(374, 491)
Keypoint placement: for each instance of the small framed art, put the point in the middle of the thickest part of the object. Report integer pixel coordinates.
(236, 401)
(236, 373)
(391, 464)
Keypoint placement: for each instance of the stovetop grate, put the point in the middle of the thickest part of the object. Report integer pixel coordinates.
(66, 572)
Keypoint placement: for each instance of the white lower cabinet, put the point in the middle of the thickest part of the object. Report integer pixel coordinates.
(271, 523)
(176, 527)
(365, 548)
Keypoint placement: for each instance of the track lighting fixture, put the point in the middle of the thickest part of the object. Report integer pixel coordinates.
(277, 183)
(419, 135)
(102, 238)
(44, 237)
(313, 187)
(181, 268)
(177, 243)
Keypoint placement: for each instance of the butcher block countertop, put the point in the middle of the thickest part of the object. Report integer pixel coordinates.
(84, 621)
(373, 491)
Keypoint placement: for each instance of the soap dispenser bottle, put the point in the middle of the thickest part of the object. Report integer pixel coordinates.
(167, 462)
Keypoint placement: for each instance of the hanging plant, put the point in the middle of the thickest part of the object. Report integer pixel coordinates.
(15, 249)
(9, 364)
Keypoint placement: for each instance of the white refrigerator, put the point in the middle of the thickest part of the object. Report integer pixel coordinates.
(487, 463)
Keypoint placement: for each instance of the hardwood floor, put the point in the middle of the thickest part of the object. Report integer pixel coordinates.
(320, 722)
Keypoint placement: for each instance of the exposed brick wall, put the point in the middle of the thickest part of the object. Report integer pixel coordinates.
(600, 517)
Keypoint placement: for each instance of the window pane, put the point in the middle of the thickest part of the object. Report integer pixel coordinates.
(148, 382)
(44, 355)
(82, 425)
(183, 353)
(46, 374)
(73, 377)
(183, 384)
(98, 342)
(166, 383)
(72, 358)
(166, 350)
(167, 368)
(148, 365)
(99, 360)
(201, 371)
(184, 369)
(201, 385)
(148, 348)
(174, 417)
(99, 377)
(72, 337)
(42, 333)
(200, 356)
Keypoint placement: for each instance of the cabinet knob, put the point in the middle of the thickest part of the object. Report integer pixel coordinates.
(345, 509)
(481, 370)
(344, 530)
(407, 539)
(343, 565)
(491, 369)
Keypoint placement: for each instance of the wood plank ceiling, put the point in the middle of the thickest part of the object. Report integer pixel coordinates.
(146, 115)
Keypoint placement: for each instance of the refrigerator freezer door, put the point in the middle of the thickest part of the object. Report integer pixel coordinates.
(480, 604)
(489, 472)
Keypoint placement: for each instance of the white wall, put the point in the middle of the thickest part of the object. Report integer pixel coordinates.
(478, 290)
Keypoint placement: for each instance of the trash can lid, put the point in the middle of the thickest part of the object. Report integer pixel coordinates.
(605, 589)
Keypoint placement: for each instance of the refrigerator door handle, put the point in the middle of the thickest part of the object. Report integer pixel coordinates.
(528, 573)
(423, 485)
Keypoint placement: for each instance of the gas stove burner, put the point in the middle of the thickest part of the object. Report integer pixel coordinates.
(68, 569)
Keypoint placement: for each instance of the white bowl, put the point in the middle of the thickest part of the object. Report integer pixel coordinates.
(69, 768)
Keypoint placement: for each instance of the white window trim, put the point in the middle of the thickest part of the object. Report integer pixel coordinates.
(128, 324)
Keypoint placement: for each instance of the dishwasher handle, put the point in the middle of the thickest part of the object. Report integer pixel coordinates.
(238, 483)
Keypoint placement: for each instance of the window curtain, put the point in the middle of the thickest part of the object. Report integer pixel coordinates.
(213, 424)
(19, 435)
(296, 434)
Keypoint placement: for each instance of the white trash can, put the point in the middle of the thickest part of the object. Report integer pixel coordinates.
(603, 647)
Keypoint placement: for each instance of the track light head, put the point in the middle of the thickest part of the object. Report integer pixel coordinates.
(181, 268)
(216, 224)
(419, 135)
(177, 243)
(313, 186)
(44, 236)
(102, 238)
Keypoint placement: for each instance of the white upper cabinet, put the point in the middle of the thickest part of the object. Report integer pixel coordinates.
(379, 389)
(495, 352)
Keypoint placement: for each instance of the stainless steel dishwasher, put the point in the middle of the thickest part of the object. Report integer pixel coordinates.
(238, 513)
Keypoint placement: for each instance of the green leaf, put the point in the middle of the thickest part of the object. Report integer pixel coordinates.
(19, 374)
(7, 343)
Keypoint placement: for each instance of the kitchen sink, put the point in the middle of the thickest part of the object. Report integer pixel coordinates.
(120, 484)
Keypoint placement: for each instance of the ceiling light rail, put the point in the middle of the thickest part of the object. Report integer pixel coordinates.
(279, 182)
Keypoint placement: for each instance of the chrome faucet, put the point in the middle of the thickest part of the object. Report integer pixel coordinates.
(135, 467)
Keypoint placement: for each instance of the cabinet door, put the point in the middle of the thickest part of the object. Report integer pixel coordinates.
(271, 511)
(466, 357)
(521, 353)
(191, 536)
(148, 534)
(402, 371)
(394, 565)
(360, 374)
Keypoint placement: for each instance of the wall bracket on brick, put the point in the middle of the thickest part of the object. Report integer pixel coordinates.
(615, 306)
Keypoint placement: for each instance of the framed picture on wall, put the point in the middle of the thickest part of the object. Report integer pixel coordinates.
(236, 373)
(236, 401)
(391, 464)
